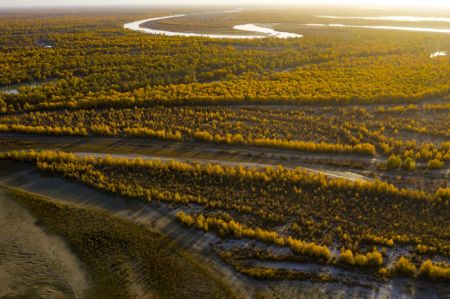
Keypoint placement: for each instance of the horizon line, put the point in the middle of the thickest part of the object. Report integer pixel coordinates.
(69, 5)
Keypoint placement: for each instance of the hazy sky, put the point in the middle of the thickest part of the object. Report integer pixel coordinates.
(375, 3)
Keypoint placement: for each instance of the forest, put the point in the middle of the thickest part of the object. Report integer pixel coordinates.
(88, 61)
(321, 159)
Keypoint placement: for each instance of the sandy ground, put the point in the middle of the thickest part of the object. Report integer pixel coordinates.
(34, 264)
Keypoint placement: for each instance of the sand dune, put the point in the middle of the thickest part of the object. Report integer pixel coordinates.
(32, 262)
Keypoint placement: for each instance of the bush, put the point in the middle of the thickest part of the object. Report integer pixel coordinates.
(374, 258)
(404, 266)
(360, 260)
(383, 272)
(346, 257)
(394, 162)
(443, 193)
(434, 272)
(435, 164)
(409, 164)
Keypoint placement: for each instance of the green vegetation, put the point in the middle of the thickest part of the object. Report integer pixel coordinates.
(124, 259)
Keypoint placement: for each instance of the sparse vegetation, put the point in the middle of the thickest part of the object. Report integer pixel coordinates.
(294, 194)
(122, 256)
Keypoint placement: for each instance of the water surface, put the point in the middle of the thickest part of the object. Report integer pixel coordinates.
(439, 53)
(267, 32)
(390, 18)
(400, 28)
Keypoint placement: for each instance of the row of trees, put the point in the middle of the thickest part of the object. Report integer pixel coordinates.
(343, 130)
(402, 266)
(370, 259)
(321, 253)
(429, 270)
(268, 174)
(365, 148)
(271, 197)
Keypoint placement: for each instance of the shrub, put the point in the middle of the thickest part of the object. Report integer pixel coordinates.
(435, 164)
(434, 272)
(404, 266)
(346, 257)
(383, 272)
(409, 164)
(394, 162)
(360, 260)
(374, 258)
(443, 193)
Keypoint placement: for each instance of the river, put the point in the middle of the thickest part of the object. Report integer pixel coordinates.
(264, 32)
(267, 32)
(399, 28)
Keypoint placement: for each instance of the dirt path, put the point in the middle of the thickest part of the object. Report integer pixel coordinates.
(332, 174)
(32, 262)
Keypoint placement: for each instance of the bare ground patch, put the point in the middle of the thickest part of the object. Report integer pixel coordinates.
(32, 262)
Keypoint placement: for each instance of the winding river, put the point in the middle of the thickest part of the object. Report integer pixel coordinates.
(263, 32)
(400, 28)
(266, 32)
(390, 18)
